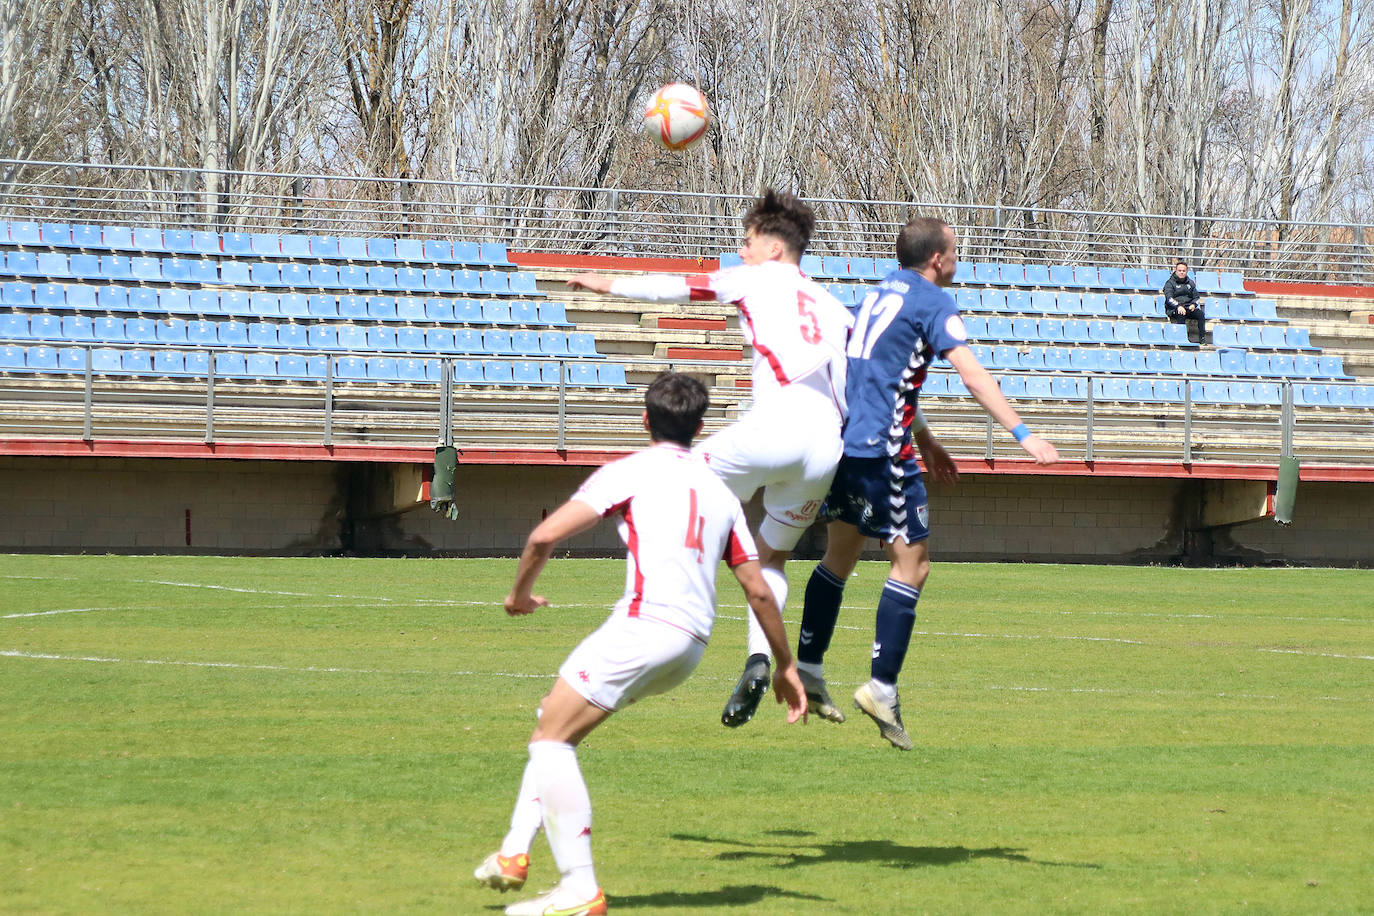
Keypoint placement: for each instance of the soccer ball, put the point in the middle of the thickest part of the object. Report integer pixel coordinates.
(676, 116)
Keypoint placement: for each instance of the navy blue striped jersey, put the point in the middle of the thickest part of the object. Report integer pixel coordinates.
(901, 326)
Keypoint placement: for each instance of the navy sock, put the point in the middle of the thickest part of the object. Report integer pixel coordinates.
(892, 633)
(820, 610)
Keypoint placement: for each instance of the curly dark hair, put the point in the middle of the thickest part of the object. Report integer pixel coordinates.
(783, 216)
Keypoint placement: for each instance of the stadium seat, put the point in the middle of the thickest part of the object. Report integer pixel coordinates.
(1110, 389)
(553, 313)
(353, 338)
(1363, 395)
(468, 340)
(439, 310)
(1061, 275)
(496, 372)
(496, 312)
(84, 266)
(1264, 310)
(1266, 393)
(1119, 305)
(1282, 365)
(264, 243)
(1018, 300)
(1271, 336)
(381, 368)
(322, 337)
(1066, 387)
(1058, 358)
(262, 334)
(968, 300)
(1086, 277)
(324, 246)
(410, 251)
(1208, 281)
(525, 342)
(234, 273)
(522, 283)
(352, 276)
(171, 331)
(140, 330)
(1331, 367)
(1005, 357)
(410, 370)
(264, 304)
(1151, 332)
(1111, 278)
(526, 372)
(437, 251)
(1340, 395)
(381, 308)
(986, 273)
(859, 269)
(466, 281)
(294, 305)
(353, 307)
(410, 308)
(1033, 358)
(583, 375)
(467, 311)
(1085, 359)
(1044, 301)
(1310, 395)
(1127, 332)
(497, 341)
(293, 336)
(236, 243)
(231, 365)
(169, 362)
(260, 365)
(87, 237)
(1256, 363)
(1011, 274)
(383, 278)
(1013, 386)
(1144, 305)
(494, 254)
(1305, 365)
(353, 248)
(112, 267)
(1232, 361)
(410, 278)
(380, 337)
(438, 279)
(1039, 386)
(1101, 331)
(295, 276)
(295, 246)
(999, 328)
(1208, 362)
(15, 326)
(1297, 338)
(467, 372)
(1236, 310)
(233, 333)
(1051, 329)
(322, 306)
(963, 272)
(77, 328)
(411, 340)
(1037, 275)
(993, 300)
(1140, 389)
(466, 253)
(293, 365)
(835, 266)
(1183, 362)
(1093, 304)
(495, 281)
(205, 243)
(440, 340)
(197, 363)
(350, 367)
(325, 276)
(1133, 361)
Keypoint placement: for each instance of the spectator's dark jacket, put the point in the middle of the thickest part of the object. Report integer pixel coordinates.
(1181, 291)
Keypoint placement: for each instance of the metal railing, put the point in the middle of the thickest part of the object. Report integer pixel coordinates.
(615, 221)
(331, 410)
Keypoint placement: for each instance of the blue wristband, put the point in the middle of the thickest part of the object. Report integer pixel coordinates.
(1021, 432)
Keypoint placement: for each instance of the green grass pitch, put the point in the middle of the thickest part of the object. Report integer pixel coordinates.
(333, 736)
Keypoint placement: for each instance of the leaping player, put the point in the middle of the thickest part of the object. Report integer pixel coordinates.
(789, 441)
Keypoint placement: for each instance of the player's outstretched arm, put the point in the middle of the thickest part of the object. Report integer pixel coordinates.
(649, 288)
(984, 389)
(597, 283)
(571, 518)
(786, 682)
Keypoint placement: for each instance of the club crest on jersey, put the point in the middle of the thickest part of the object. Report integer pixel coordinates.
(923, 515)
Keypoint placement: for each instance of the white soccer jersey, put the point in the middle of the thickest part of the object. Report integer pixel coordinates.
(678, 521)
(795, 326)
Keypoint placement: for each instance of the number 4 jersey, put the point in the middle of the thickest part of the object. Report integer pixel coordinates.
(678, 521)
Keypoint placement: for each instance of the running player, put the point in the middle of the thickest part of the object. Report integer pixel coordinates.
(678, 521)
(789, 441)
(878, 491)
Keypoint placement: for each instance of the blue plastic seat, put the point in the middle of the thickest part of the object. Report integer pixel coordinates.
(140, 330)
(525, 372)
(293, 365)
(53, 264)
(1005, 357)
(41, 359)
(178, 240)
(1135, 278)
(410, 308)
(1085, 359)
(467, 311)
(1224, 336)
(352, 337)
(835, 266)
(1017, 300)
(295, 276)
(467, 281)
(1038, 386)
(1037, 275)
(993, 300)
(1000, 328)
(466, 253)
(1363, 395)
(1066, 387)
(439, 310)
(379, 277)
(494, 254)
(968, 300)
(468, 340)
(1144, 305)
(1051, 329)
(205, 242)
(236, 243)
(525, 342)
(350, 367)
(381, 249)
(260, 365)
(497, 341)
(15, 326)
(171, 331)
(1256, 363)
(233, 333)
(862, 269)
(440, 340)
(411, 370)
(352, 276)
(1102, 332)
(438, 279)
(1076, 331)
(264, 243)
(1271, 336)
(986, 273)
(75, 327)
(1013, 386)
(262, 334)
(582, 344)
(136, 362)
(1133, 361)
(381, 308)
(201, 270)
(144, 299)
(1236, 309)
(1111, 278)
(112, 267)
(410, 278)
(496, 372)
(1183, 362)
(1086, 277)
(1331, 367)
(324, 276)
(1140, 389)
(353, 307)
(963, 271)
(1093, 304)
(87, 236)
(1032, 358)
(1306, 365)
(322, 306)
(494, 312)
(1232, 361)
(1298, 339)
(1027, 329)
(411, 340)
(1266, 393)
(197, 363)
(1282, 365)
(264, 304)
(1110, 389)
(437, 251)
(553, 313)
(235, 302)
(148, 239)
(324, 246)
(381, 338)
(1119, 305)
(235, 273)
(583, 375)
(1058, 358)
(84, 266)
(293, 336)
(353, 248)
(1264, 310)
(1043, 300)
(1208, 362)
(293, 305)
(522, 283)
(1311, 395)
(45, 327)
(56, 235)
(1208, 281)
(322, 337)
(381, 368)
(295, 246)
(1011, 274)
(1151, 332)
(976, 327)
(467, 372)
(553, 343)
(495, 281)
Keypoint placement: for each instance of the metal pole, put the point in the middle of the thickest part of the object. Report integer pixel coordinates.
(1187, 421)
(1286, 419)
(1088, 445)
(446, 402)
(329, 400)
(562, 403)
(987, 451)
(86, 422)
(210, 399)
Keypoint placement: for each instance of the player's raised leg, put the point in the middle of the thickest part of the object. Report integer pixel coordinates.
(892, 635)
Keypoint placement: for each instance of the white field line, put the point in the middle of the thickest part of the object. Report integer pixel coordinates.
(70, 610)
(1362, 658)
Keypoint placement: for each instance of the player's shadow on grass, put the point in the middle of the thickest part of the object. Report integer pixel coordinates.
(733, 895)
(799, 851)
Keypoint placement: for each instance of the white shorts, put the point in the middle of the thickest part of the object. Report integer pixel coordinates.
(627, 658)
(790, 448)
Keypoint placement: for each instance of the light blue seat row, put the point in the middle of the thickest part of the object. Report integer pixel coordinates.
(837, 267)
(210, 302)
(1075, 330)
(186, 241)
(147, 269)
(1059, 387)
(286, 335)
(1081, 277)
(1268, 337)
(262, 366)
(1157, 362)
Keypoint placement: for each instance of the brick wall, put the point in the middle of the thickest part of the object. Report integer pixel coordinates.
(139, 505)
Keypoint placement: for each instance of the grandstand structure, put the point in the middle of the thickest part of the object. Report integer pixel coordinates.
(144, 331)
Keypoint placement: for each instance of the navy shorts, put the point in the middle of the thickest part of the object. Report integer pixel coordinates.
(884, 498)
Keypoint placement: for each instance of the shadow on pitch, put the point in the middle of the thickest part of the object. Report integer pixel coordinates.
(798, 850)
(734, 895)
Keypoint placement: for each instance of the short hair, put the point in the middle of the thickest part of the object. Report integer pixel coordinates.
(920, 239)
(783, 216)
(675, 403)
(1180, 261)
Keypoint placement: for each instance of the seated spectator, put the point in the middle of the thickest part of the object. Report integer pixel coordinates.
(1183, 303)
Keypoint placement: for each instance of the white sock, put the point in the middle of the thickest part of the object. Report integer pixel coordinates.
(525, 819)
(777, 584)
(886, 692)
(812, 668)
(567, 810)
